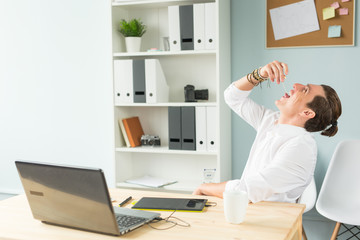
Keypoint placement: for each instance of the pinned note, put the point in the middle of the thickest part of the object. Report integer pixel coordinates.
(335, 5)
(334, 31)
(294, 19)
(345, 0)
(344, 11)
(328, 13)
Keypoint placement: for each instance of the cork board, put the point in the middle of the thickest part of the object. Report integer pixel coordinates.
(315, 38)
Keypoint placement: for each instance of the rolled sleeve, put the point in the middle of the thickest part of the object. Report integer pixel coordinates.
(246, 108)
(235, 185)
(233, 95)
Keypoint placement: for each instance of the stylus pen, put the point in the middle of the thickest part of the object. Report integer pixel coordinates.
(125, 201)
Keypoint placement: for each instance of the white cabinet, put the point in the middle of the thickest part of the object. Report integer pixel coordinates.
(205, 69)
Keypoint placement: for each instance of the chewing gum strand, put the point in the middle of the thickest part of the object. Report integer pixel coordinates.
(282, 83)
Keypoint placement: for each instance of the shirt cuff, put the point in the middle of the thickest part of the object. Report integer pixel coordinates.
(235, 185)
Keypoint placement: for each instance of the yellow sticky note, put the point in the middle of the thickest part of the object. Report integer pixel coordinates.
(328, 13)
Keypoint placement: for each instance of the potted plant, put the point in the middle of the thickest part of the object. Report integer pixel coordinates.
(132, 31)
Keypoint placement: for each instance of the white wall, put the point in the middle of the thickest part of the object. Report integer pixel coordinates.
(55, 85)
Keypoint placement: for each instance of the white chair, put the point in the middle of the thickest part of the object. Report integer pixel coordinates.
(309, 199)
(339, 197)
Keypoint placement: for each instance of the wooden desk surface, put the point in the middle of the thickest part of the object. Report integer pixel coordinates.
(263, 221)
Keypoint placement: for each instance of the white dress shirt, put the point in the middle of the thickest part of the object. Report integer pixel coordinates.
(282, 158)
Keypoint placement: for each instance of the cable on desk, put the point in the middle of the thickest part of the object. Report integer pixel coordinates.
(211, 204)
(180, 222)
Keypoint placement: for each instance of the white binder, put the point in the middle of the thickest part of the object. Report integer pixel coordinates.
(211, 127)
(174, 28)
(157, 90)
(210, 26)
(200, 121)
(123, 81)
(199, 26)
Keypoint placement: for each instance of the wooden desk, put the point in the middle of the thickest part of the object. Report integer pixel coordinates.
(263, 221)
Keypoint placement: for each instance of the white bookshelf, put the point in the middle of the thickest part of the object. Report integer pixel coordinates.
(163, 150)
(162, 53)
(206, 69)
(170, 104)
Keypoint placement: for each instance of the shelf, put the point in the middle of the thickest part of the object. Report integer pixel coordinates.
(204, 69)
(154, 3)
(164, 53)
(162, 150)
(181, 186)
(174, 104)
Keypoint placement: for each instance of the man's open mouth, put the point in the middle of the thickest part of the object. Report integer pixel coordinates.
(286, 95)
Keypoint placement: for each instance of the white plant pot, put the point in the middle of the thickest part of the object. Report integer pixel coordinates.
(133, 44)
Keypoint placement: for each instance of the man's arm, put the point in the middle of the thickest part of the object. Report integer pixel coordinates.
(211, 189)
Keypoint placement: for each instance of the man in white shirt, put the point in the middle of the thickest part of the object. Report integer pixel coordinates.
(282, 159)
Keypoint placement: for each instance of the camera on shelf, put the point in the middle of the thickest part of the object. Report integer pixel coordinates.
(149, 140)
(192, 95)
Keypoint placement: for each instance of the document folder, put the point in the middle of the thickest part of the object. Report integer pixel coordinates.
(211, 129)
(210, 26)
(199, 26)
(201, 123)
(139, 81)
(157, 90)
(188, 128)
(123, 84)
(174, 28)
(174, 127)
(186, 27)
(166, 204)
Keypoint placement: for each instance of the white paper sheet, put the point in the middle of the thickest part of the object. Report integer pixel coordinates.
(151, 181)
(294, 19)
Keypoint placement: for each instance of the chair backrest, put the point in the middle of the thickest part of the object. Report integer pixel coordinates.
(309, 196)
(339, 197)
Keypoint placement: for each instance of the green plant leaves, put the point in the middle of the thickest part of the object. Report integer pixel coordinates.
(133, 28)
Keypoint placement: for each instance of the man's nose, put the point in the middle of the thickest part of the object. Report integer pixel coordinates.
(298, 86)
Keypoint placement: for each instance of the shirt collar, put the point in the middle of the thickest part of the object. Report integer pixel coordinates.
(289, 130)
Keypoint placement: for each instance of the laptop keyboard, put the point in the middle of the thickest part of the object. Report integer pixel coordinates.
(125, 221)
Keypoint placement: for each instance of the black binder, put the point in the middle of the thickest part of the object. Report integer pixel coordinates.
(139, 81)
(188, 129)
(174, 127)
(186, 27)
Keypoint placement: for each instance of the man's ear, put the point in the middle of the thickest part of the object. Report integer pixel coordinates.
(308, 113)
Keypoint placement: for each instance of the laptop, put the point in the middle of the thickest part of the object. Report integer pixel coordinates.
(76, 197)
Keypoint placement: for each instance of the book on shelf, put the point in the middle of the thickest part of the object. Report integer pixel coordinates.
(123, 131)
(134, 130)
(150, 181)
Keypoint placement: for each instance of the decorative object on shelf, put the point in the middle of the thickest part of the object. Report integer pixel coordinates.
(166, 43)
(209, 175)
(149, 140)
(192, 95)
(132, 30)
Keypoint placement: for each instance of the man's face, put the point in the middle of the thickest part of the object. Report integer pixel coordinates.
(299, 96)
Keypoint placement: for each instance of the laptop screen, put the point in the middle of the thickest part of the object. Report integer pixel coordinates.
(68, 196)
